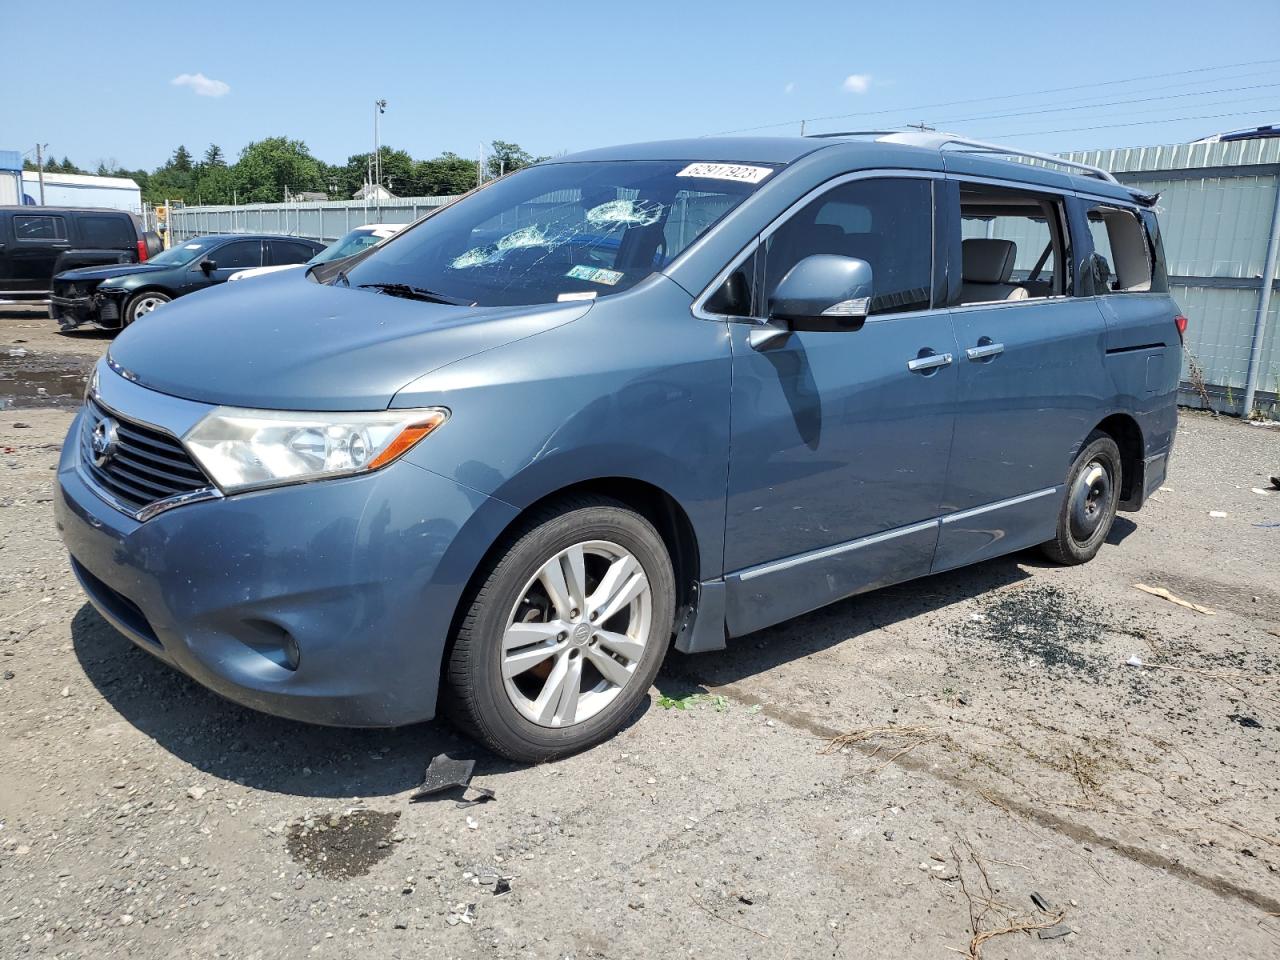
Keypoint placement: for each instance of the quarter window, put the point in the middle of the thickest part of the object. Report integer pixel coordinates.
(107, 233)
(1121, 254)
(886, 222)
(26, 227)
(736, 296)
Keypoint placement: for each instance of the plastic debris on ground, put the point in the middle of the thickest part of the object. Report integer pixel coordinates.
(445, 774)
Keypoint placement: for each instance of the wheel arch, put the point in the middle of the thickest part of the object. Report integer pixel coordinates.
(652, 502)
(1127, 433)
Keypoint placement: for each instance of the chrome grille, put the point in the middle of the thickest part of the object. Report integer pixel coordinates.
(148, 465)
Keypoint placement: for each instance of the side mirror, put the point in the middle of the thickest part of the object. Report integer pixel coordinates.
(823, 292)
(208, 266)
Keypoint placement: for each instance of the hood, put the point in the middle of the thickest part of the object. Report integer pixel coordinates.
(108, 272)
(287, 343)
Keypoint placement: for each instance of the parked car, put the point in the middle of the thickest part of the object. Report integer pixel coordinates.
(114, 297)
(38, 242)
(690, 390)
(348, 245)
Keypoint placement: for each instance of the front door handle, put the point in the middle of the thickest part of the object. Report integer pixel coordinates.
(929, 362)
(984, 350)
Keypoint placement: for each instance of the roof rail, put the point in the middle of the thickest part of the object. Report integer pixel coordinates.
(936, 140)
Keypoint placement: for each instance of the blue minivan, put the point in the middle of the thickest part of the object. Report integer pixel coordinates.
(659, 394)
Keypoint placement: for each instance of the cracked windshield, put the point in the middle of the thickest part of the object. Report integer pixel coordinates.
(557, 232)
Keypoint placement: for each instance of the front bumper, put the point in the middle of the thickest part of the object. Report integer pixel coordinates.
(363, 575)
(99, 308)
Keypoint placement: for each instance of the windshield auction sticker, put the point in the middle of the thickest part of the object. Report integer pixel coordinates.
(738, 172)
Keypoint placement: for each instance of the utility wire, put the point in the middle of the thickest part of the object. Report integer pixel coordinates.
(1102, 105)
(1009, 96)
(1132, 123)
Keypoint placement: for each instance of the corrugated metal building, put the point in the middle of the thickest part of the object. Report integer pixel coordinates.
(1218, 210)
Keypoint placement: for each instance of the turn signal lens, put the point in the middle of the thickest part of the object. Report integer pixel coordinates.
(1181, 323)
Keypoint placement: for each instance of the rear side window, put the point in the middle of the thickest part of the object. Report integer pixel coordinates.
(886, 222)
(286, 251)
(238, 255)
(1121, 251)
(1012, 245)
(107, 233)
(38, 228)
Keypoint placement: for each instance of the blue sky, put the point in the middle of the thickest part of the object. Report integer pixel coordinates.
(562, 76)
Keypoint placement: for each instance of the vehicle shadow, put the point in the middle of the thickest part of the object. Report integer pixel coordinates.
(231, 742)
(842, 622)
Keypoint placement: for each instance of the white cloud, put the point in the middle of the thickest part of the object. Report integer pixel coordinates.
(790, 88)
(202, 85)
(857, 83)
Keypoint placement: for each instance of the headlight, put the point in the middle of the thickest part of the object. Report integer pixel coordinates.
(243, 449)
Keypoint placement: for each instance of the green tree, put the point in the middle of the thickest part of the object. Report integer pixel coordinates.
(399, 173)
(180, 162)
(505, 157)
(215, 183)
(213, 156)
(446, 175)
(267, 168)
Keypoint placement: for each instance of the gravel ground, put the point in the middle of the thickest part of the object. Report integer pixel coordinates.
(883, 778)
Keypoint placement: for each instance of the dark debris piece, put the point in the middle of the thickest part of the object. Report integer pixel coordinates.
(1246, 721)
(1054, 932)
(1042, 902)
(444, 773)
(502, 887)
(482, 795)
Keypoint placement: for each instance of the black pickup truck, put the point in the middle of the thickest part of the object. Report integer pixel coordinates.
(38, 242)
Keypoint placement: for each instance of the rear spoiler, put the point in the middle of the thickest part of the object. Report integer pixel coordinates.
(1143, 199)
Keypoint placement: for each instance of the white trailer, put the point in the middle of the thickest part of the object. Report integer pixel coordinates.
(80, 190)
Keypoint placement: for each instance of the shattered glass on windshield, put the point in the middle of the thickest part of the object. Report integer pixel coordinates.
(556, 232)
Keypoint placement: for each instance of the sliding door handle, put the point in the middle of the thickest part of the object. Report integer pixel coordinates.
(929, 362)
(984, 350)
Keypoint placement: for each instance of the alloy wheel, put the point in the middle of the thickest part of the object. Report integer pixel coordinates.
(574, 638)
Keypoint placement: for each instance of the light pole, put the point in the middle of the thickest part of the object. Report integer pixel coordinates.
(40, 147)
(379, 108)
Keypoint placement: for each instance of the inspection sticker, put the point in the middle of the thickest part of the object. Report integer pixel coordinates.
(595, 275)
(740, 172)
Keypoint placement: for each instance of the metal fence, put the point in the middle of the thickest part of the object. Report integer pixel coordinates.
(1220, 214)
(315, 220)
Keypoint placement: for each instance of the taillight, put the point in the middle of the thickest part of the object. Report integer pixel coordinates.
(1181, 323)
(142, 254)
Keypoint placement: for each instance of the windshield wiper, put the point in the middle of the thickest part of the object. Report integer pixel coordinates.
(415, 293)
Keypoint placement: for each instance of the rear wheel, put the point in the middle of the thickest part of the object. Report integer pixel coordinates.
(140, 304)
(564, 637)
(1089, 507)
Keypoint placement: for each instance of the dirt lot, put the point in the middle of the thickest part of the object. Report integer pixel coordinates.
(996, 746)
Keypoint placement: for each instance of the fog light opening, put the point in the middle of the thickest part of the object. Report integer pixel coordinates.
(274, 642)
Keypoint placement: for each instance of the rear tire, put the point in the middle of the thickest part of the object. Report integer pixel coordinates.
(140, 304)
(1089, 505)
(562, 639)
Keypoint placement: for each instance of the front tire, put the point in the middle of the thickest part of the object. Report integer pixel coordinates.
(1089, 507)
(563, 638)
(140, 304)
